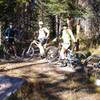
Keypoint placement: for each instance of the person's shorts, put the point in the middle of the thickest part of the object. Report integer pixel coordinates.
(66, 45)
(42, 41)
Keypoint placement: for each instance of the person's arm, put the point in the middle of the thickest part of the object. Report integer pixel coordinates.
(47, 32)
(6, 31)
(71, 34)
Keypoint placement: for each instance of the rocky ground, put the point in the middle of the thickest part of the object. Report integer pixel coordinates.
(48, 82)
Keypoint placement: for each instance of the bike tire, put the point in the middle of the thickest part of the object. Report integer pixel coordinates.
(28, 55)
(52, 54)
(6, 55)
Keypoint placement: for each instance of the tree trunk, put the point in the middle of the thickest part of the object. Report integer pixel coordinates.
(0, 33)
(90, 23)
(60, 24)
(57, 28)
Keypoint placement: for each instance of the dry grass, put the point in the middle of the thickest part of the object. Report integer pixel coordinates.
(95, 50)
(45, 83)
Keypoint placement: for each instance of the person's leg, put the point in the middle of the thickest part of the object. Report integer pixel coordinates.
(39, 45)
(44, 43)
(42, 52)
(14, 48)
(62, 53)
(62, 57)
(65, 48)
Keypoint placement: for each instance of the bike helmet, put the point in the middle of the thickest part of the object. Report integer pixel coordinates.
(40, 23)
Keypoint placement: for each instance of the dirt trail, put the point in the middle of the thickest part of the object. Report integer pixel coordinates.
(47, 83)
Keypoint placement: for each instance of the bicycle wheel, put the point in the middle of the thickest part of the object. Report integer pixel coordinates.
(28, 53)
(6, 53)
(52, 54)
(74, 60)
(9, 55)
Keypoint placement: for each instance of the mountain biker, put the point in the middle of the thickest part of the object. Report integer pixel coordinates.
(9, 37)
(43, 33)
(42, 38)
(67, 35)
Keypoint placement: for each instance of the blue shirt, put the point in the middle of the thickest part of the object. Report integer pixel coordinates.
(9, 32)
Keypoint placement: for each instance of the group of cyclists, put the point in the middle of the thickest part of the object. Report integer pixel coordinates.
(43, 36)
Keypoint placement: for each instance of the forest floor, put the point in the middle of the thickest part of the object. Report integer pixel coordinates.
(47, 82)
(95, 50)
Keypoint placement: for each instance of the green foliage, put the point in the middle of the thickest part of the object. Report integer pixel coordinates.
(7, 9)
(69, 7)
(21, 1)
(55, 7)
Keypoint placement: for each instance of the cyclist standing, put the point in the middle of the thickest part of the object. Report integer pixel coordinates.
(43, 33)
(67, 35)
(42, 37)
(9, 36)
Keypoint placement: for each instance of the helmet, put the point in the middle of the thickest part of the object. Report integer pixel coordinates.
(10, 25)
(40, 23)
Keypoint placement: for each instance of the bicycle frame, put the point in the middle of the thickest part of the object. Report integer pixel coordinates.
(9, 50)
(70, 58)
(39, 45)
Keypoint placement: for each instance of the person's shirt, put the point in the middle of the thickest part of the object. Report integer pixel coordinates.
(67, 35)
(9, 32)
(43, 32)
(71, 34)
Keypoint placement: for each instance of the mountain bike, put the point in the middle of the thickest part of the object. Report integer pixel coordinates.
(73, 60)
(9, 49)
(92, 68)
(35, 49)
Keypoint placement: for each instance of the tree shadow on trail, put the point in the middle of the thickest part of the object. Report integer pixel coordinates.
(47, 90)
(44, 89)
